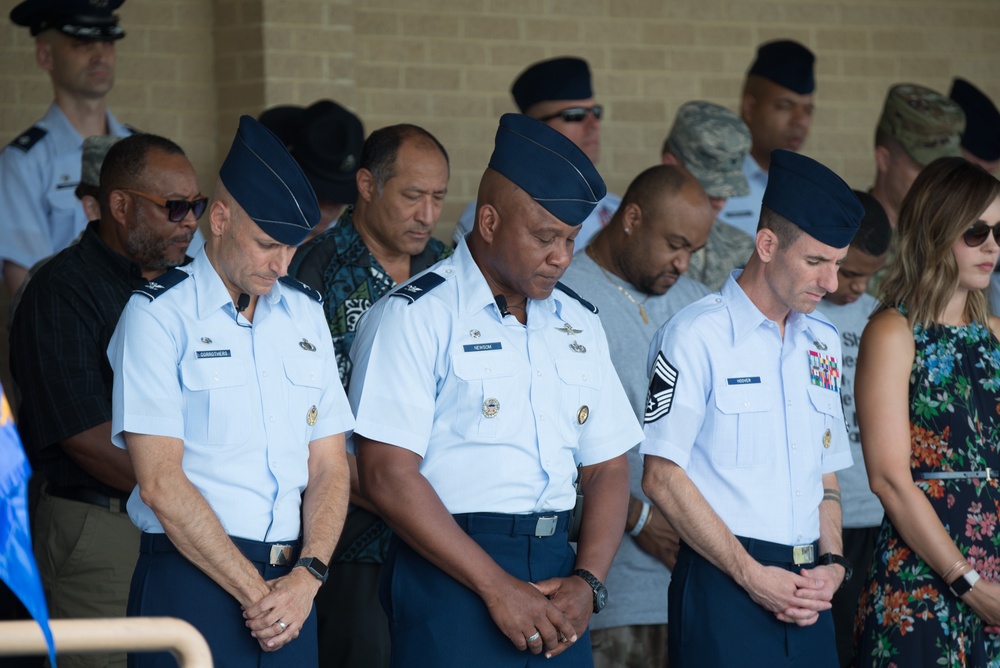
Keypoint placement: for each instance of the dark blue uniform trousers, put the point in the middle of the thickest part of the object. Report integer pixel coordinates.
(165, 584)
(435, 621)
(715, 624)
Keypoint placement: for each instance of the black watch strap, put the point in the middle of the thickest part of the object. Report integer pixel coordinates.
(964, 584)
(314, 566)
(600, 591)
(840, 560)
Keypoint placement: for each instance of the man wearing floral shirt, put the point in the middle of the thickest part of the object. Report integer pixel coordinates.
(383, 241)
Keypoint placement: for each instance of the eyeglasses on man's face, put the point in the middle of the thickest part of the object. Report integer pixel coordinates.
(177, 209)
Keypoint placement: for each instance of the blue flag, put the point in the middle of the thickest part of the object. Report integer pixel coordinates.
(17, 562)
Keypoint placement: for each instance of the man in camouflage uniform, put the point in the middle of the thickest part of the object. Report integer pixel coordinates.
(711, 142)
(917, 126)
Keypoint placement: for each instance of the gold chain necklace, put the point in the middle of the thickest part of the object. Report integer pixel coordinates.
(642, 309)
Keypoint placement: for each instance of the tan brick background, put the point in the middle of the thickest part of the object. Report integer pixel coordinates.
(188, 68)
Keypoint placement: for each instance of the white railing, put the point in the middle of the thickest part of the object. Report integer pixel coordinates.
(132, 634)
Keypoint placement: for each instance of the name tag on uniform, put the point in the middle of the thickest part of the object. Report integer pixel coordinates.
(209, 354)
(480, 347)
(744, 380)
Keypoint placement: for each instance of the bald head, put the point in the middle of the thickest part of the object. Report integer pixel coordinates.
(654, 188)
(664, 217)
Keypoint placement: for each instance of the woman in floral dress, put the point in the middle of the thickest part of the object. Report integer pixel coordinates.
(928, 393)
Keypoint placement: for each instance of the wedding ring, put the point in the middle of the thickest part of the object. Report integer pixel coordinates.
(282, 625)
(534, 636)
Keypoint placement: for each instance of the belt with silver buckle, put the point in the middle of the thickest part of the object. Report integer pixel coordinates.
(763, 550)
(272, 554)
(540, 525)
(986, 474)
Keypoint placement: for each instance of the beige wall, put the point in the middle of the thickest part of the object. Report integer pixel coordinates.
(188, 68)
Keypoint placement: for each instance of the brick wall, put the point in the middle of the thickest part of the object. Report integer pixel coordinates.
(188, 68)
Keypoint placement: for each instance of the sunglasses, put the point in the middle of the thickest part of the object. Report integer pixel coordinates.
(978, 232)
(177, 209)
(576, 114)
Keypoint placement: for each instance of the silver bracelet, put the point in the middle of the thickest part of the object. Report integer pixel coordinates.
(642, 521)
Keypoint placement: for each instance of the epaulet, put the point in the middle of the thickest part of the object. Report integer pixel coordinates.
(302, 287)
(417, 288)
(157, 287)
(29, 138)
(587, 305)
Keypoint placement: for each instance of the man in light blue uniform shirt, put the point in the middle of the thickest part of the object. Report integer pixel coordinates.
(40, 169)
(744, 433)
(558, 92)
(480, 387)
(777, 106)
(227, 398)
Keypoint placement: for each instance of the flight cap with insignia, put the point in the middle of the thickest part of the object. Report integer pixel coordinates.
(326, 140)
(927, 124)
(564, 78)
(80, 19)
(712, 142)
(812, 197)
(982, 120)
(95, 149)
(786, 63)
(548, 166)
(269, 185)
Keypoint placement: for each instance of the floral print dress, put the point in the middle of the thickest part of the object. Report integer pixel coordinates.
(908, 617)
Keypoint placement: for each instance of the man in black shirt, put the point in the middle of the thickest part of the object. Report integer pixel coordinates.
(84, 541)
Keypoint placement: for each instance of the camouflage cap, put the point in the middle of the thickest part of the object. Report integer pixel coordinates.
(94, 150)
(712, 142)
(926, 123)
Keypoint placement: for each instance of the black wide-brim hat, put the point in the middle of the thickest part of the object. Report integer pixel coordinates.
(982, 120)
(326, 140)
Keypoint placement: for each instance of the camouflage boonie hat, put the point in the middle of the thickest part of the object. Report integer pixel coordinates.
(926, 123)
(712, 142)
(94, 150)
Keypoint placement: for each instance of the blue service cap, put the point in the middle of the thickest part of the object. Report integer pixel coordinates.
(813, 197)
(268, 184)
(565, 78)
(548, 166)
(982, 120)
(786, 63)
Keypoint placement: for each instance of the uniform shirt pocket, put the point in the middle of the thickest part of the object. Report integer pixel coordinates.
(305, 390)
(741, 437)
(216, 398)
(581, 383)
(827, 418)
(485, 406)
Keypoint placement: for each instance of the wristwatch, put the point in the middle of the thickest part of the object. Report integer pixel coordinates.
(314, 566)
(964, 584)
(830, 558)
(600, 591)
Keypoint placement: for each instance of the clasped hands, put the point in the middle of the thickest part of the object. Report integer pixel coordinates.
(796, 598)
(542, 616)
(276, 618)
